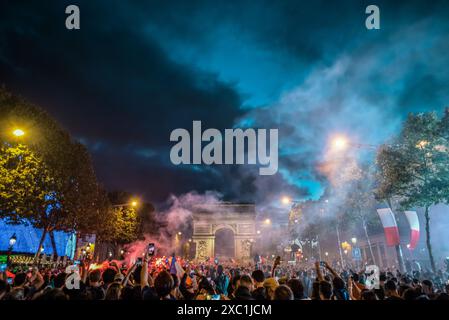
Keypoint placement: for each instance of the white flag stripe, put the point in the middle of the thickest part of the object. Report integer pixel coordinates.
(387, 217)
(412, 218)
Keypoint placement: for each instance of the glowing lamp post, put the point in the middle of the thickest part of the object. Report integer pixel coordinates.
(18, 133)
(286, 200)
(12, 242)
(340, 143)
(133, 203)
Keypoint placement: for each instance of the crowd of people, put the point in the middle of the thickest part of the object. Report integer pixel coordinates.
(144, 280)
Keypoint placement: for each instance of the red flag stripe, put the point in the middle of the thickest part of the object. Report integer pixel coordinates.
(392, 236)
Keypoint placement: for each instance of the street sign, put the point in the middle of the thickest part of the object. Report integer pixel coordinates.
(356, 254)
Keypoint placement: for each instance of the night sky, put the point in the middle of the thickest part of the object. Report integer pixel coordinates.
(139, 69)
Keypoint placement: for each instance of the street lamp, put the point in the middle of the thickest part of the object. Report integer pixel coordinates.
(267, 221)
(289, 201)
(326, 253)
(286, 200)
(340, 143)
(12, 242)
(354, 240)
(132, 203)
(18, 132)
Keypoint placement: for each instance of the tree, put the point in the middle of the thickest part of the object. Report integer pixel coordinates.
(24, 183)
(122, 223)
(54, 186)
(414, 168)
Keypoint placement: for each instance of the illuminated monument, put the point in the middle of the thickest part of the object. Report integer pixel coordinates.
(224, 231)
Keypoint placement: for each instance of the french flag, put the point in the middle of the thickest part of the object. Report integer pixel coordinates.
(413, 221)
(390, 227)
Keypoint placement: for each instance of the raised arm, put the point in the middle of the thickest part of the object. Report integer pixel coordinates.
(328, 267)
(144, 272)
(128, 274)
(319, 275)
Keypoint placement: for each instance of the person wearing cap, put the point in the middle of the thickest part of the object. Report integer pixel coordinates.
(270, 286)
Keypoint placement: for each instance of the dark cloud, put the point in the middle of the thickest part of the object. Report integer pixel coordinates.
(138, 69)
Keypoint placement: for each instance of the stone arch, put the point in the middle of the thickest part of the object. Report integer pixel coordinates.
(208, 219)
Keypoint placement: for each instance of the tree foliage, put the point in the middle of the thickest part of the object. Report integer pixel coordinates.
(413, 169)
(47, 178)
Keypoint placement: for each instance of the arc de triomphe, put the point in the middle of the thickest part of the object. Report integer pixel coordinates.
(238, 218)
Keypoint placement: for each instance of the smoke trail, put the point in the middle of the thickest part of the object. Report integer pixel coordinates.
(174, 219)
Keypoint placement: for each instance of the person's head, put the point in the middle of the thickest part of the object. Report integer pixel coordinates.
(297, 288)
(258, 277)
(15, 294)
(427, 286)
(19, 279)
(246, 281)
(411, 294)
(325, 290)
(131, 293)
(390, 288)
(283, 292)
(368, 295)
(80, 294)
(242, 293)
(338, 283)
(260, 293)
(205, 286)
(270, 284)
(283, 281)
(442, 296)
(94, 277)
(59, 280)
(109, 276)
(113, 291)
(234, 281)
(53, 295)
(163, 284)
(119, 277)
(220, 269)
